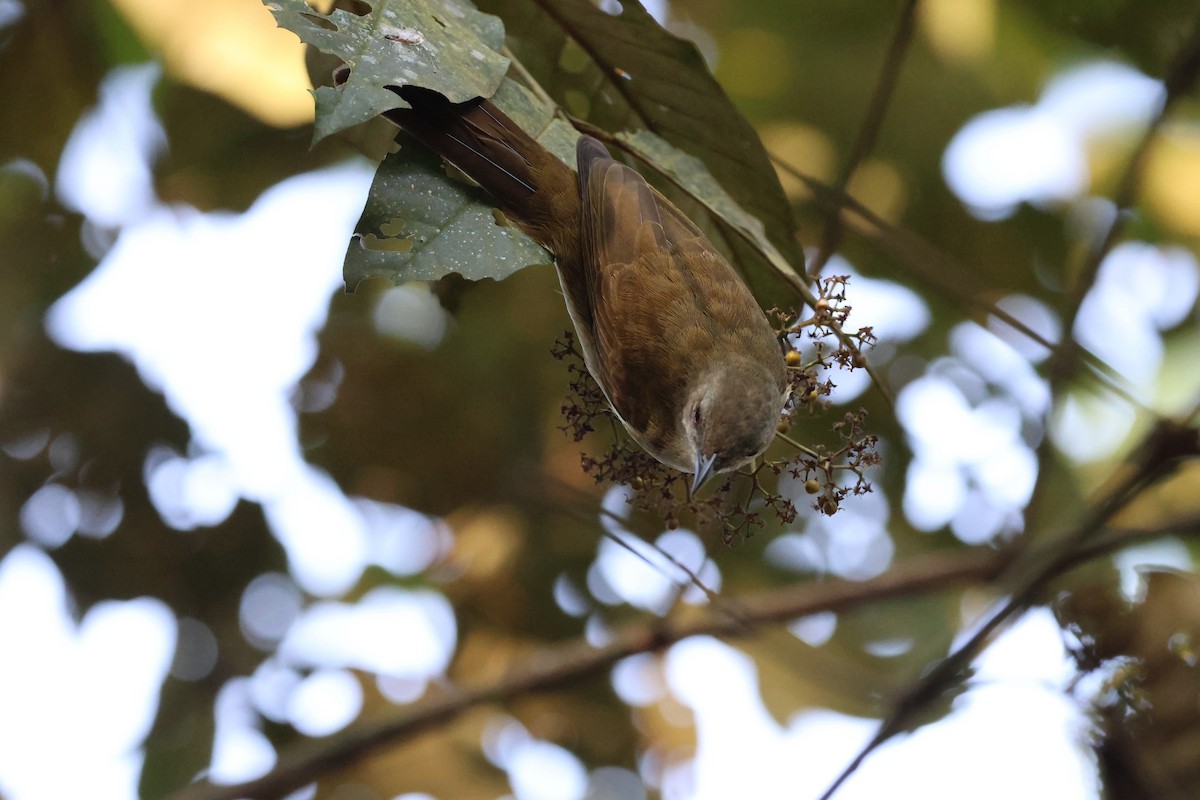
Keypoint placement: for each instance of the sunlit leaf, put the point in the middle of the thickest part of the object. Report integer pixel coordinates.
(444, 45)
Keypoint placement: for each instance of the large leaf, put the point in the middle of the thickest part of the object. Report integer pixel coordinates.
(624, 71)
(444, 45)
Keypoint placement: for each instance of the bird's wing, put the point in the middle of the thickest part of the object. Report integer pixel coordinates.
(638, 291)
(621, 217)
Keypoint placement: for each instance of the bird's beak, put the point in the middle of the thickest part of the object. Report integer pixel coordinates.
(704, 470)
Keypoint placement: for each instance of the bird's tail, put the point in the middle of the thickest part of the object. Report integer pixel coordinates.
(537, 191)
(529, 183)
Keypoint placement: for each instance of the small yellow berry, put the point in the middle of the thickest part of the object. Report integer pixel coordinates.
(812, 486)
(792, 358)
(784, 426)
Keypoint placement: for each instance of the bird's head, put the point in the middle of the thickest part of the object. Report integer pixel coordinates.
(731, 415)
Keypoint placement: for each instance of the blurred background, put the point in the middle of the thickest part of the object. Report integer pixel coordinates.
(240, 508)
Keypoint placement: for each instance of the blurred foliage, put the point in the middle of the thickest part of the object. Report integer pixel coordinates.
(470, 429)
(1146, 34)
(1149, 708)
(230, 171)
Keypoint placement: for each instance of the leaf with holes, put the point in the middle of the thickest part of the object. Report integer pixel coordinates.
(444, 45)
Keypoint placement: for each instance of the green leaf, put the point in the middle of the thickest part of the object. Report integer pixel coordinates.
(624, 71)
(444, 45)
(420, 224)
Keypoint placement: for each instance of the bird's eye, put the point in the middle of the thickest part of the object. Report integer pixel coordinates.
(696, 415)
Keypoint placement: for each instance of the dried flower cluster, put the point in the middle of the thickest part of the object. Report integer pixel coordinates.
(743, 502)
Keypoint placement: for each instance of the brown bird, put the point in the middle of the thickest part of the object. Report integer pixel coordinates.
(668, 329)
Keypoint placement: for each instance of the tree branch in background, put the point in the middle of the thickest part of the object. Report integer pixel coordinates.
(1030, 571)
(1159, 453)
(868, 132)
(577, 660)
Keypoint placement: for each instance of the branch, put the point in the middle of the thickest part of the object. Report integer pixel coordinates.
(864, 142)
(1028, 573)
(564, 664)
(1157, 456)
(576, 660)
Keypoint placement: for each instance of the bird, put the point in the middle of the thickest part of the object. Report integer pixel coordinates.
(669, 331)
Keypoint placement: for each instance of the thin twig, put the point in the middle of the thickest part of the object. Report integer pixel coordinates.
(688, 572)
(527, 80)
(1029, 572)
(868, 132)
(797, 445)
(1156, 457)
